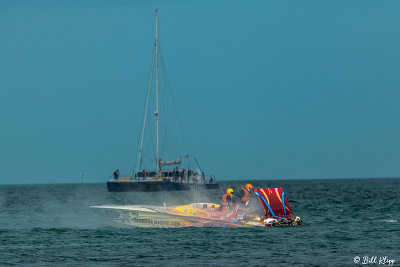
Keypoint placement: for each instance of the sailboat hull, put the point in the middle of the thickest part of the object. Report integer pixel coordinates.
(124, 186)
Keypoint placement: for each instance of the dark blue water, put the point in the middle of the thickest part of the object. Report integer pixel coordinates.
(51, 225)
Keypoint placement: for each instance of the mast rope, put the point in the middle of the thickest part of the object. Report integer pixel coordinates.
(140, 147)
(187, 144)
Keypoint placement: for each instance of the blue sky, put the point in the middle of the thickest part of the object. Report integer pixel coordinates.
(266, 89)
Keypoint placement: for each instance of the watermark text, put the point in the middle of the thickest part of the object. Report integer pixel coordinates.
(381, 260)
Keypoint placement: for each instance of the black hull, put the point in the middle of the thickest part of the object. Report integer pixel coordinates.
(144, 186)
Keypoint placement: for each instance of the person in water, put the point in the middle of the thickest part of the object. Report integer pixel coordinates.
(244, 195)
(227, 202)
(116, 174)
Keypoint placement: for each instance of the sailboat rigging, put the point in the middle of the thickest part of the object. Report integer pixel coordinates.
(160, 179)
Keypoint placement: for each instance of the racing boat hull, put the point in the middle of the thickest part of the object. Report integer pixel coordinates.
(192, 215)
(277, 212)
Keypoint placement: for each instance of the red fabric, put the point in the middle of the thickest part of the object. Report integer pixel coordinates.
(273, 196)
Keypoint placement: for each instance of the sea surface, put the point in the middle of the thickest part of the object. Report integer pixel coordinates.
(53, 225)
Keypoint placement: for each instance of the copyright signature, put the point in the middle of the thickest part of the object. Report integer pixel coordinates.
(374, 260)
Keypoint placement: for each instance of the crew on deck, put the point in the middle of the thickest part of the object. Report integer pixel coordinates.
(244, 195)
(227, 202)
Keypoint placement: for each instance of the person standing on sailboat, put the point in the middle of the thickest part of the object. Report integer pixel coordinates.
(116, 174)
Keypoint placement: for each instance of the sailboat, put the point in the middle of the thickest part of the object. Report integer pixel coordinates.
(160, 178)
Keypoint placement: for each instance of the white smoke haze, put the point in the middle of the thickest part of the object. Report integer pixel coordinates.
(68, 205)
(177, 198)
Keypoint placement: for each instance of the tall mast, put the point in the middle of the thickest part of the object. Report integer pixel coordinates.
(156, 113)
(145, 116)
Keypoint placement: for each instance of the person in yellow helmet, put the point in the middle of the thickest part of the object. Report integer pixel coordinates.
(244, 194)
(227, 200)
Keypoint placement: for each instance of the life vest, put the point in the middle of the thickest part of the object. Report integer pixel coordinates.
(246, 196)
(226, 202)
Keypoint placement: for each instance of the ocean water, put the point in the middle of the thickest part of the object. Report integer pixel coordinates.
(52, 225)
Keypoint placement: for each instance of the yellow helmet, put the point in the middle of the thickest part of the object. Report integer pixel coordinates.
(249, 187)
(229, 191)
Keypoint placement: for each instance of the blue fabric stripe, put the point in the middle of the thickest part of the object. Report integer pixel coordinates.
(283, 201)
(281, 218)
(266, 204)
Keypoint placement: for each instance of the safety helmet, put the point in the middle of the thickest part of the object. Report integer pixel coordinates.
(249, 187)
(229, 191)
